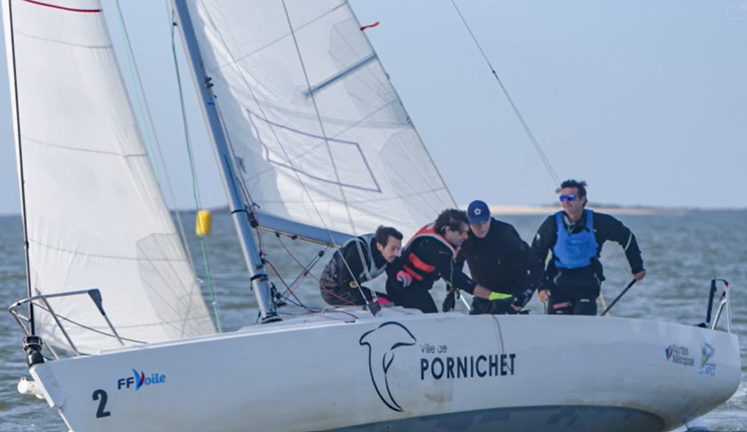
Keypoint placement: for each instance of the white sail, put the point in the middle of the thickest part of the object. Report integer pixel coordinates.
(95, 215)
(319, 133)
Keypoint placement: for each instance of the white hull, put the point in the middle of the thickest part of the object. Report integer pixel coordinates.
(427, 372)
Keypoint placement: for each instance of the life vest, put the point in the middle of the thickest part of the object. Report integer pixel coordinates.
(416, 267)
(370, 271)
(573, 251)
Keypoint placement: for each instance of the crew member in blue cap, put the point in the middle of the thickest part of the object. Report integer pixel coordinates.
(500, 261)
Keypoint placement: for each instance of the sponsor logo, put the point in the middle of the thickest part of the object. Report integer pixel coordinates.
(436, 362)
(383, 343)
(140, 379)
(707, 351)
(680, 355)
(468, 366)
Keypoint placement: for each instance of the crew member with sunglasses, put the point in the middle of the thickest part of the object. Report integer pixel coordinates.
(432, 254)
(573, 240)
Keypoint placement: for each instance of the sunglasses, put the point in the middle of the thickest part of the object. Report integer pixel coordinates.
(569, 197)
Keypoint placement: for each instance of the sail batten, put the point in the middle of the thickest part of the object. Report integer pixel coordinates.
(95, 215)
(319, 134)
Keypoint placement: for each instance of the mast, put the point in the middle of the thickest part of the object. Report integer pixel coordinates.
(32, 342)
(239, 212)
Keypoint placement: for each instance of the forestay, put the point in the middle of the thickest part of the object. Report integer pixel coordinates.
(96, 217)
(319, 134)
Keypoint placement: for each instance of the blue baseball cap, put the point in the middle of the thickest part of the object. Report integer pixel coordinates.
(478, 212)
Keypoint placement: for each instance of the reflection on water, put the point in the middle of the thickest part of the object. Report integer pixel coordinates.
(681, 254)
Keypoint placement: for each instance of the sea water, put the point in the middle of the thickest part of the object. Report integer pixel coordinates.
(682, 252)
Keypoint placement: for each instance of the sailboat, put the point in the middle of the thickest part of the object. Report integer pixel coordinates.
(314, 143)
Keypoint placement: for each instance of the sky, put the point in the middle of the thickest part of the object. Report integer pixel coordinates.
(645, 100)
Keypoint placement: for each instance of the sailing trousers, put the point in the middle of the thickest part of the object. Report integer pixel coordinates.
(575, 292)
(564, 305)
(576, 300)
(414, 297)
(494, 307)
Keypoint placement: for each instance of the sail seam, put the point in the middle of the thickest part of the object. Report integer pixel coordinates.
(236, 60)
(293, 32)
(60, 42)
(373, 125)
(439, 177)
(261, 108)
(328, 139)
(77, 149)
(414, 193)
(94, 255)
(338, 121)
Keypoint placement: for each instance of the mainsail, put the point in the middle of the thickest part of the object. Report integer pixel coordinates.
(95, 214)
(319, 135)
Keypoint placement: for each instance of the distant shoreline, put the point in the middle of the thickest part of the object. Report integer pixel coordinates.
(518, 210)
(610, 209)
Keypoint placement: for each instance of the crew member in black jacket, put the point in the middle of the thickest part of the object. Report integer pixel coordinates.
(361, 259)
(573, 239)
(499, 260)
(432, 254)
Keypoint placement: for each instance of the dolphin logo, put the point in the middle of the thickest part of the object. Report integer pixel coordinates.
(382, 342)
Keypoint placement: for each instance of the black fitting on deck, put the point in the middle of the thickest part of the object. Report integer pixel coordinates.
(270, 318)
(253, 219)
(32, 346)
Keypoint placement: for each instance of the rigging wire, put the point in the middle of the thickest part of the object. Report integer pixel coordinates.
(288, 288)
(249, 202)
(306, 271)
(142, 104)
(87, 327)
(329, 149)
(195, 182)
(524, 124)
(22, 178)
(260, 107)
(150, 131)
(318, 115)
(240, 179)
(303, 184)
(535, 143)
(258, 233)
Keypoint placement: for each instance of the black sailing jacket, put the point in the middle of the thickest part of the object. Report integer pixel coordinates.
(502, 261)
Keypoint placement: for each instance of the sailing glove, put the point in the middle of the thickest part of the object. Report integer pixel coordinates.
(449, 302)
(496, 296)
(522, 299)
(404, 278)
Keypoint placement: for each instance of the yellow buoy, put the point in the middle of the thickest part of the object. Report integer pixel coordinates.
(204, 223)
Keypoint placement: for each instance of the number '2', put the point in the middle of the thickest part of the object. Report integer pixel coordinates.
(101, 394)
